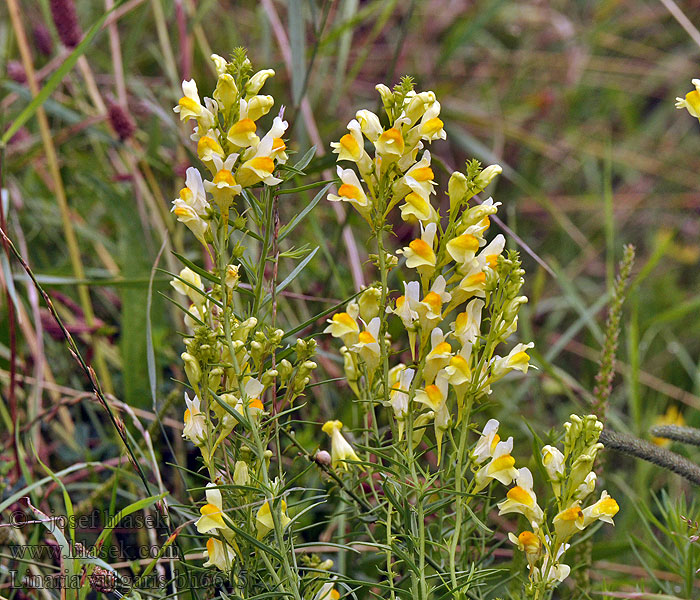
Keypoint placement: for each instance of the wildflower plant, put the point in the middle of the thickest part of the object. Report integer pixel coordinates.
(456, 308)
(242, 374)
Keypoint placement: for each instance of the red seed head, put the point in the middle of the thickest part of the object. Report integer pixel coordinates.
(42, 39)
(65, 18)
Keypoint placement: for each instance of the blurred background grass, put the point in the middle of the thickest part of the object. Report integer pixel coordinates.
(573, 99)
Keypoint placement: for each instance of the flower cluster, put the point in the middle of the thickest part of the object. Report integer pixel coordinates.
(231, 359)
(572, 480)
(227, 142)
(456, 278)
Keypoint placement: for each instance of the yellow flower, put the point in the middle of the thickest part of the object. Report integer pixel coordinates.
(431, 125)
(529, 543)
(369, 124)
(419, 253)
(195, 281)
(486, 445)
(400, 379)
(195, 429)
(327, 592)
(522, 499)
(434, 396)
(259, 165)
(467, 324)
(691, 102)
(604, 510)
(232, 277)
(192, 205)
(344, 325)
(256, 82)
(351, 191)
(368, 345)
(351, 147)
(190, 107)
(501, 467)
(212, 512)
(439, 355)
(223, 186)
(208, 146)
(517, 360)
(219, 555)
(226, 91)
(390, 144)
(264, 521)
(418, 179)
(553, 461)
(569, 521)
(341, 450)
(672, 416)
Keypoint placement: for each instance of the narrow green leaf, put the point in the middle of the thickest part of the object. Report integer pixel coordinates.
(289, 227)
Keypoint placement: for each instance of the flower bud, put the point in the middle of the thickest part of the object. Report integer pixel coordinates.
(284, 369)
(226, 92)
(240, 473)
(483, 179)
(369, 303)
(457, 188)
(192, 369)
(256, 82)
(268, 377)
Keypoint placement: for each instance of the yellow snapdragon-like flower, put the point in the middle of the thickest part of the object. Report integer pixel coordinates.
(370, 125)
(344, 325)
(259, 165)
(367, 345)
(341, 450)
(208, 147)
(390, 145)
(351, 147)
(327, 592)
(691, 102)
(569, 521)
(522, 499)
(188, 276)
(264, 521)
(351, 191)
(529, 543)
(604, 510)
(420, 253)
(400, 380)
(516, 360)
(467, 324)
(195, 429)
(419, 179)
(192, 206)
(501, 467)
(219, 555)
(553, 462)
(434, 396)
(487, 442)
(212, 512)
(190, 107)
(439, 355)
